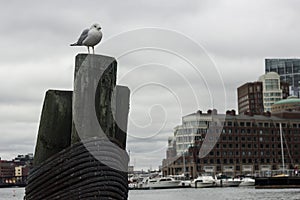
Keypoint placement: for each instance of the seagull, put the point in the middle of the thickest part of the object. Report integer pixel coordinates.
(89, 37)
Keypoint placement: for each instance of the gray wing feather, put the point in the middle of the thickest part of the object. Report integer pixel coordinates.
(83, 35)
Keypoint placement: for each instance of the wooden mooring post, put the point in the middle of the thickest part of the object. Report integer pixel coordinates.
(73, 159)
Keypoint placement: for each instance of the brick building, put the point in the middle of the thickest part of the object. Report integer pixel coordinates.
(250, 98)
(258, 97)
(242, 144)
(7, 168)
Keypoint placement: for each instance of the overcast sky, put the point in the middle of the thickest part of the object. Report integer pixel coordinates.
(201, 51)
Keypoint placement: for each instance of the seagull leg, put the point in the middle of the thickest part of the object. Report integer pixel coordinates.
(88, 49)
(93, 49)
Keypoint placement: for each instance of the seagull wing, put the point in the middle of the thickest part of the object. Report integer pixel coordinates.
(82, 37)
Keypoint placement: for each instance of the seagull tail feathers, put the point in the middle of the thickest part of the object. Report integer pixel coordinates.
(74, 44)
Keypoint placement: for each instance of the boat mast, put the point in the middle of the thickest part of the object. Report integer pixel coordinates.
(183, 155)
(281, 142)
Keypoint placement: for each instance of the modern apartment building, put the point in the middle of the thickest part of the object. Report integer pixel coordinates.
(288, 70)
(272, 90)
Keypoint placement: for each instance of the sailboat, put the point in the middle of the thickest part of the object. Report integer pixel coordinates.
(280, 180)
(282, 154)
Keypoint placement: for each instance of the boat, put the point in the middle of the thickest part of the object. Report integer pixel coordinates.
(162, 182)
(247, 181)
(184, 181)
(203, 182)
(281, 180)
(224, 181)
(133, 182)
(280, 175)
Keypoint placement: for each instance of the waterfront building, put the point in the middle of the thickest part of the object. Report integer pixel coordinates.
(18, 171)
(186, 134)
(171, 151)
(292, 103)
(258, 97)
(288, 70)
(19, 166)
(246, 143)
(21, 171)
(7, 168)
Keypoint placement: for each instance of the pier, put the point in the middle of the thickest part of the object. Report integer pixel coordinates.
(277, 182)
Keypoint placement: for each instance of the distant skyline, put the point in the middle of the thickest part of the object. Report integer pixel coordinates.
(235, 37)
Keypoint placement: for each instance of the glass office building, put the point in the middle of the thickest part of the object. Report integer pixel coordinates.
(289, 71)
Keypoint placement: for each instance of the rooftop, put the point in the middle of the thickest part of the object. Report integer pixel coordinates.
(290, 99)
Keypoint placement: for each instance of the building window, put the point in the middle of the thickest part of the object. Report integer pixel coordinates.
(271, 84)
(266, 124)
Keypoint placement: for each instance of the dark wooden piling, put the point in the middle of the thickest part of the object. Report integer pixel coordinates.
(86, 66)
(73, 159)
(55, 125)
(121, 114)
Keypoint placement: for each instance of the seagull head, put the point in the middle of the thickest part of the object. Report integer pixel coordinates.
(96, 26)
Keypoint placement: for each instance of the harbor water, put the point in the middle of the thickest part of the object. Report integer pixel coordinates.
(189, 194)
(225, 193)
